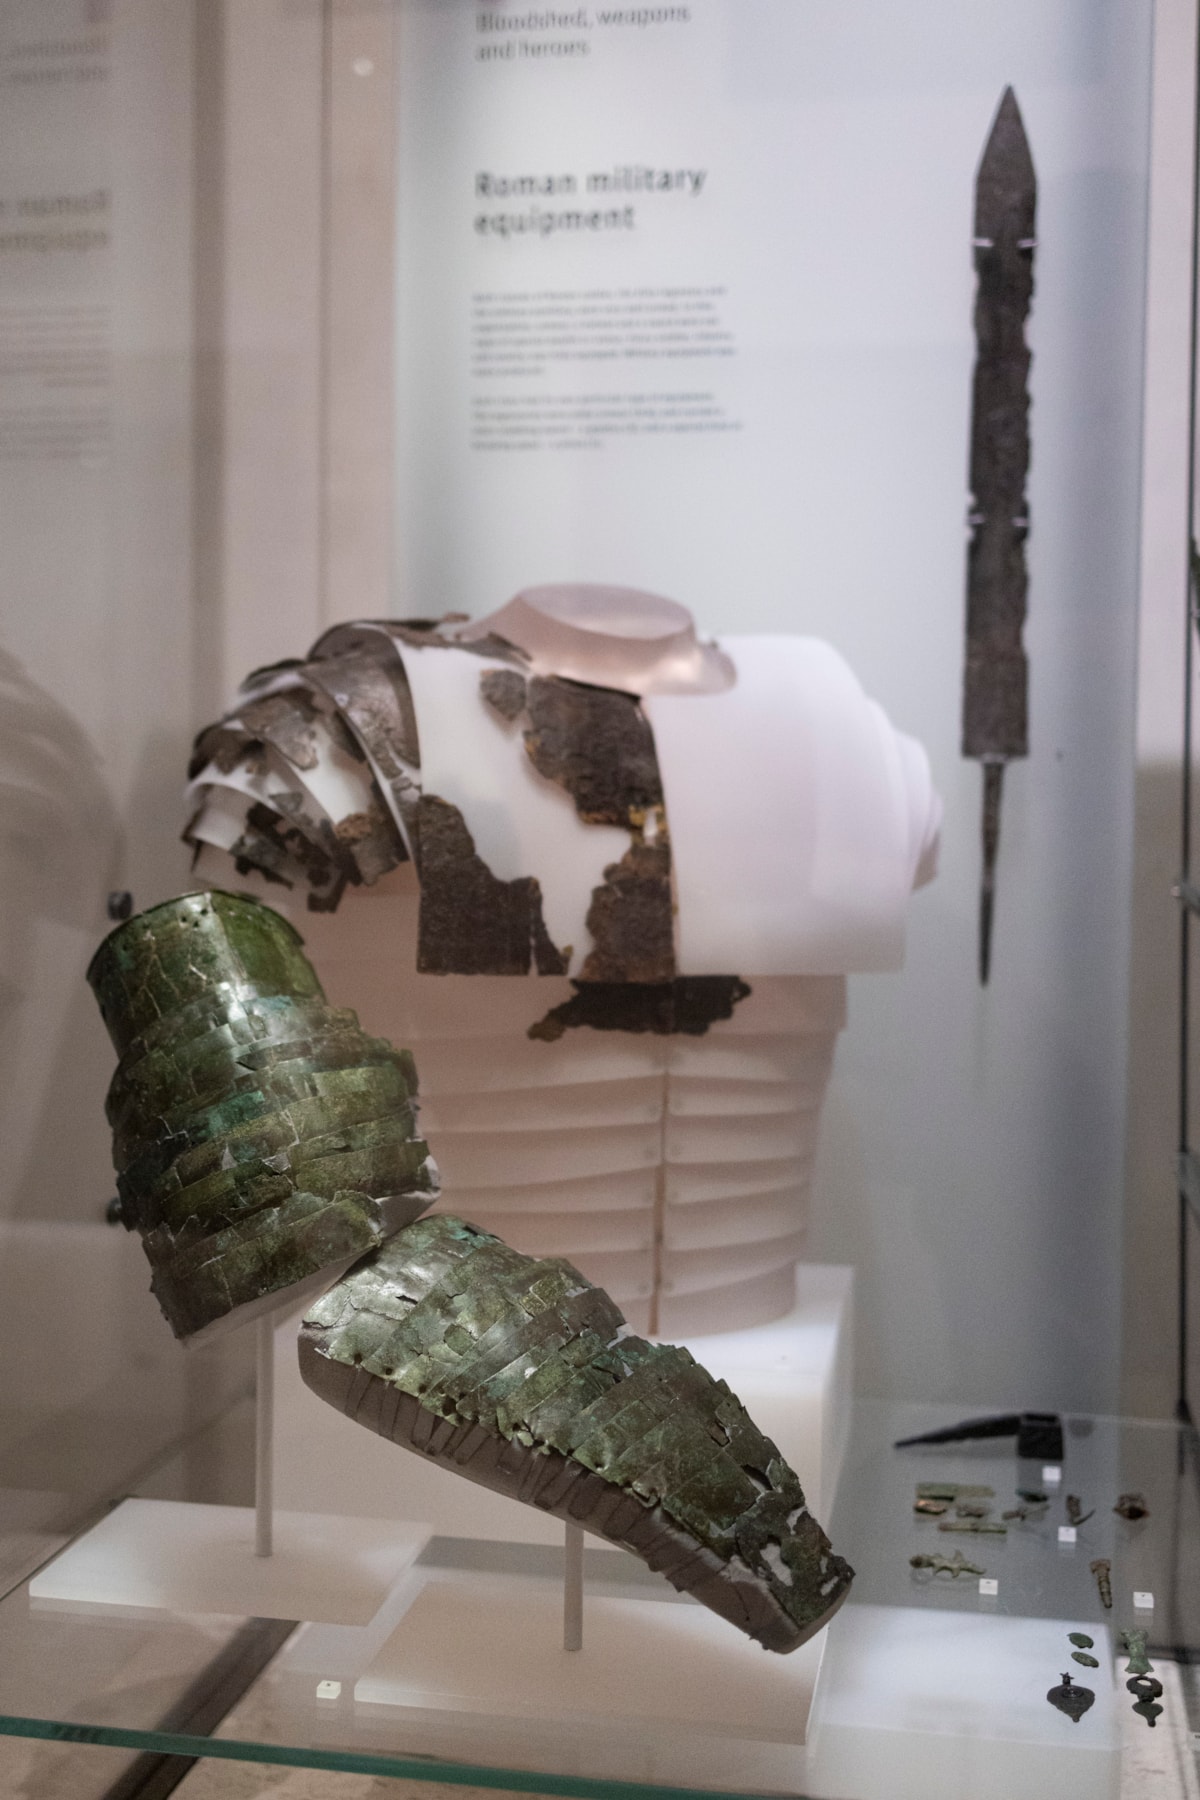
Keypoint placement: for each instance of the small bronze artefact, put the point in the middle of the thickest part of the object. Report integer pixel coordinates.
(1102, 1570)
(1082, 1641)
(1072, 1700)
(1026, 1511)
(1132, 1506)
(1081, 1656)
(977, 1527)
(1147, 1689)
(954, 1566)
(972, 1509)
(1135, 1646)
(932, 1509)
(995, 724)
(1033, 1496)
(1075, 1512)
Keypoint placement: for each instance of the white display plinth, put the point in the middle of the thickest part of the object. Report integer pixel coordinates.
(172, 1556)
(794, 1377)
(661, 1690)
(940, 1705)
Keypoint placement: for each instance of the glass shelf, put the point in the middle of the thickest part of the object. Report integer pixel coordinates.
(196, 1686)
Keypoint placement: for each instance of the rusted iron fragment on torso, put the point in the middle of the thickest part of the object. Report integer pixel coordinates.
(521, 1375)
(687, 1006)
(597, 744)
(630, 919)
(472, 923)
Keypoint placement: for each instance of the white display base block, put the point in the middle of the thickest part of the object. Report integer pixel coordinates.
(172, 1556)
(794, 1376)
(662, 1690)
(940, 1705)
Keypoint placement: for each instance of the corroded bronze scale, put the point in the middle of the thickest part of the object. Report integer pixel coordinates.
(264, 1142)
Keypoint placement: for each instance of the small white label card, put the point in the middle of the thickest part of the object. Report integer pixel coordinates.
(1066, 1534)
(1051, 1475)
(989, 1587)
(1142, 1601)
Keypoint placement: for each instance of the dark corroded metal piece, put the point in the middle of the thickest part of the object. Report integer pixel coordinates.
(1132, 1507)
(954, 1566)
(358, 668)
(1072, 1700)
(1075, 1512)
(1135, 1648)
(195, 949)
(689, 1005)
(931, 1508)
(954, 1490)
(630, 919)
(1028, 1510)
(1037, 1434)
(261, 1138)
(295, 725)
(505, 692)
(1148, 1690)
(597, 744)
(975, 1527)
(1102, 1570)
(1081, 1640)
(471, 922)
(519, 1374)
(1081, 1656)
(995, 725)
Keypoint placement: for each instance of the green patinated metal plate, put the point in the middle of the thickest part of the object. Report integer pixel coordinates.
(184, 1069)
(181, 951)
(260, 1136)
(523, 1376)
(375, 1156)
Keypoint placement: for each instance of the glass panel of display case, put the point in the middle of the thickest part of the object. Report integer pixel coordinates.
(100, 677)
(702, 318)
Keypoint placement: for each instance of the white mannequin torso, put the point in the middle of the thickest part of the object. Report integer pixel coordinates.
(674, 1170)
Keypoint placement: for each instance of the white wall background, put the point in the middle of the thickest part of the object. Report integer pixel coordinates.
(973, 1159)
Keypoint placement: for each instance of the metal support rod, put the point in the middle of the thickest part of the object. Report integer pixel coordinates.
(573, 1588)
(1191, 626)
(264, 1435)
(993, 779)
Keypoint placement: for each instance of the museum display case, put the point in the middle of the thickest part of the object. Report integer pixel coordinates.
(597, 773)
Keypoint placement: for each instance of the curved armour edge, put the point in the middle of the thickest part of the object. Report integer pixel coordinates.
(800, 818)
